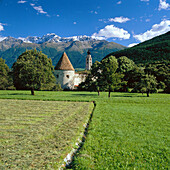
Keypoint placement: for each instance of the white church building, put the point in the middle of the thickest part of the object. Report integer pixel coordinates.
(66, 75)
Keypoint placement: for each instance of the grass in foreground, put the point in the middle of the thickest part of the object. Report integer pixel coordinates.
(127, 131)
(39, 134)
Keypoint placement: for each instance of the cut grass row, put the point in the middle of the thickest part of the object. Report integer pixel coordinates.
(39, 134)
(127, 131)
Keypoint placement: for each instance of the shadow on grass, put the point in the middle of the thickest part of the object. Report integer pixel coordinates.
(84, 94)
(112, 95)
(16, 94)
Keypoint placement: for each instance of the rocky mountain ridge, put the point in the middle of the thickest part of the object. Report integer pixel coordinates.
(53, 46)
(52, 37)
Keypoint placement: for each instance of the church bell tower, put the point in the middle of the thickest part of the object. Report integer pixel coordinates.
(88, 61)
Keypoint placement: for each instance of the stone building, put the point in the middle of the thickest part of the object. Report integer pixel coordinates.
(66, 75)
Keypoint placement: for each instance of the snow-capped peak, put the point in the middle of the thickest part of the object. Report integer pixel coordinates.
(52, 37)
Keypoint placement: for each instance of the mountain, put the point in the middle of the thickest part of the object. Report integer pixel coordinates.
(151, 51)
(53, 46)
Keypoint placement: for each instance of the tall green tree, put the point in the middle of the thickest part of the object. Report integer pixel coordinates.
(125, 64)
(110, 79)
(5, 78)
(149, 83)
(92, 82)
(33, 71)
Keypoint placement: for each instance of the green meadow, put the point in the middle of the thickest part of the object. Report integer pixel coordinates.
(127, 131)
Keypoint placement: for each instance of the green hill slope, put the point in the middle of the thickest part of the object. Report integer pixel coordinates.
(151, 51)
(11, 48)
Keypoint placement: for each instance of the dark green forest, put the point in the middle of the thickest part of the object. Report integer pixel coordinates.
(156, 50)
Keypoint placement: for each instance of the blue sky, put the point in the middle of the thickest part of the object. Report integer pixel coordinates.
(123, 21)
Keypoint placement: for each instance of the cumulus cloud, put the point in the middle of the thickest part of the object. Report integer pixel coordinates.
(21, 2)
(1, 27)
(156, 30)
(119, 2)
(119, 19)
(110, 31)
(39, 9)
(74, 23)
(133, 44)
(163, 5)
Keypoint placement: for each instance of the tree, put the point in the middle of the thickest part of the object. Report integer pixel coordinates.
(5, 79)
(110, 79)
(147, 84)
(33, 71)
(125, 64)
(92, 82)
(103, 76)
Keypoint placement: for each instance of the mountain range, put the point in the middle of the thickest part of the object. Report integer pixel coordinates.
(53, 46)
(155, 50)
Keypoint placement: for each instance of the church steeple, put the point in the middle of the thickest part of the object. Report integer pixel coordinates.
(88, 60)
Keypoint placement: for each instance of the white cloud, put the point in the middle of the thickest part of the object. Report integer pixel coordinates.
(39, 9)
(147, 20)
(21, 2)
(133, 44)
(1, 27)
(156, 30)
(145, 0)
(119, 19)
(110, 31)
(93, 12)
(74, 23)
(119, 2)
(163, 5)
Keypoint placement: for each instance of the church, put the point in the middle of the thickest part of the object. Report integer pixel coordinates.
(65, 73)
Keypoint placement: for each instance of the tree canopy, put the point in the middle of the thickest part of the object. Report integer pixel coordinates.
(103, 76)
(5, 79)
(33, 71)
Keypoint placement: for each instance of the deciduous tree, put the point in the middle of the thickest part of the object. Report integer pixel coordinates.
(33, 71)
(5, 78)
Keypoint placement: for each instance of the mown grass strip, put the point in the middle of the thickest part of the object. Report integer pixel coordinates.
(44, 140)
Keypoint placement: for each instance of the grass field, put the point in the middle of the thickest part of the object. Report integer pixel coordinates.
(39, 134)
(127, 131)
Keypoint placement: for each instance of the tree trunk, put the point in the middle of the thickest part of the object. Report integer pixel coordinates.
(147, 93)
(109, 93)
(32, 92)
(98, 93)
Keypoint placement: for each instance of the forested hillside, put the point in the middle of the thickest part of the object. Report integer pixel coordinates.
(151, 51)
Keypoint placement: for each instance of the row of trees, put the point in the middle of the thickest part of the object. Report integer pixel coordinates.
(33, 70)
(123, 74)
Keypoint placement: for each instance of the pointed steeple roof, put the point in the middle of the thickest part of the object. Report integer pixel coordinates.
(64, 63)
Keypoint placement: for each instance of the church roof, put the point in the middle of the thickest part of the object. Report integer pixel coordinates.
(64, 63)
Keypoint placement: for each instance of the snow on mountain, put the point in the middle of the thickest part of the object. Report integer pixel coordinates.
(52, 37)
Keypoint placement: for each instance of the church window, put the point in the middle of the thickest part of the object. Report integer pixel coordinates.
(67, 76)
(57, 76)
